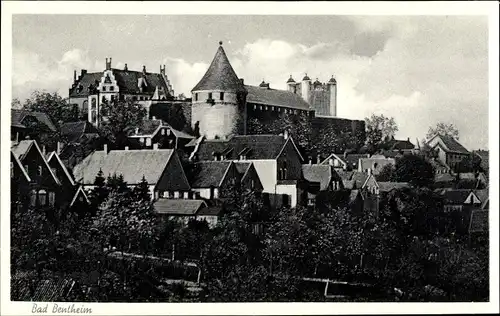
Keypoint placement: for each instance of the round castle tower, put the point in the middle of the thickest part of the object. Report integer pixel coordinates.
(218, 99)
(332, 84)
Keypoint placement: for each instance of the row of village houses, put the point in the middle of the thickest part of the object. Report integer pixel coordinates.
(270, 164)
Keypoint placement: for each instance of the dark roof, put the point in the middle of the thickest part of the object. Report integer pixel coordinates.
(17, 117)
(254, 146)
(306, 77)
(318, 173)
(178, 206)
(359, 178)
(396, 144)
(453, 145)
(220, 75)
(132, 164)
(127, 80)
(352, 160)
(210, 173)
(210, 211)
(388, 186)
(72, 131)
(479, 221)
(485, 158)
(290, 79)
(456, 196)
(332, 80)
(273, 97)
(147, 127)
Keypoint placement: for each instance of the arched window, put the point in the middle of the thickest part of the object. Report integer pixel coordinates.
(33, 198)
(42, 197)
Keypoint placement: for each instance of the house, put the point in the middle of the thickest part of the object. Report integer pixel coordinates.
(321, 178)
(450, 152)
(352, 179)
(375, 164)
(374, 191)
(79, 139)
(68, 184)
(249, 177)
(182, 210)
(32, 124)
(403, 146)
(210, 178)
(161, 168)
(344, 161)
(276, 159)
(32, 176)
(157, 132)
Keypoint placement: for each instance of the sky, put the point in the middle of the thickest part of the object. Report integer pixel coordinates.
(421, 70)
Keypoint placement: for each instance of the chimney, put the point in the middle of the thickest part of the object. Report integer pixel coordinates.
(105, 149)
(126, 67)
(108, 64)
(74, 76)
(162, 69)
(155, 146)
(143, 70)
(58, 148)
(126, 147)
(83, 72)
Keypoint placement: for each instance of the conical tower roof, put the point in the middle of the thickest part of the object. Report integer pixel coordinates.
(220, 75)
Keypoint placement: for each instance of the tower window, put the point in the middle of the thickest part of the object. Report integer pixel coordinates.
(111, 88)
(222, 95)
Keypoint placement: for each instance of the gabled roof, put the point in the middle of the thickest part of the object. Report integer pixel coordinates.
(210, 173)
(79, 191)
(132, 164)
(479, 221)
(359, 178)
(351, 160)
(388, 186)
(178, 206)
(127, 81)
(151, 127)
(451, 144)
(54, 156)
(242, 168)
(273, 97)
(220, 75)
(23, 147)
(396, 144)
(456, 196)
(318, 173)
(74, 130)
(256, 147)
(18, 115)
(20, 165)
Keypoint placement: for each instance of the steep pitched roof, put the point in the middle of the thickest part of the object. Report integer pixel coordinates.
(318, 173)
(74, 130)
(178, 206)
(351, 160)
(273, 97)
(23, 147)
(359, 178)
(147, 127)
(479, 221)
(18, 115)
(254, 146)
(53, 156)
(210, 173)
(21, 167)
(127, 81)
(451, 144)
(220, 75)
(78, 192)
(132, 164)
(242, 167)
(388, 186)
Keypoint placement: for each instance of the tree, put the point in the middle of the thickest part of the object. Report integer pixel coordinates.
(120, 117)
(415, 170)
(53, 105)
(387, 174)
(444, 130)
(379, 129)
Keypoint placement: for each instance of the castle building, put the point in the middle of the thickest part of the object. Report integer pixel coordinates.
(223, 105)
(321, 96)
(90, 91)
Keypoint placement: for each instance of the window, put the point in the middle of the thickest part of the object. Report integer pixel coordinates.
(33, 198)
(176, 194)
(210, 95)
(42, 197)
(252, 184)
(40, 170)
(311, 201)
(222, 95)
(141, 139)
(186, 195)
(286, 200)
(148, 141)
(111, 88)
(112, 98)
(103, 99)
(103, 88)
(163, 131)
(52, 198)
(196, 96)
(168, 132)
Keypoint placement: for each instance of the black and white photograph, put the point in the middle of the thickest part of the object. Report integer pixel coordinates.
(204, 156)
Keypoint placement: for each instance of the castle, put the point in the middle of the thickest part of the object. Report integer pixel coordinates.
(221, 105)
